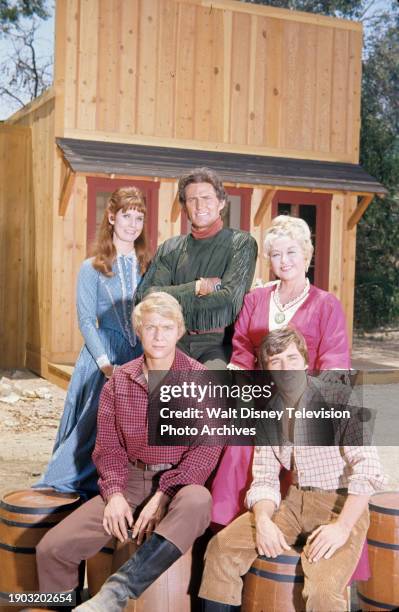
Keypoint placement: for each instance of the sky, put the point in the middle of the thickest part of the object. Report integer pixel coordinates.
(45, 45)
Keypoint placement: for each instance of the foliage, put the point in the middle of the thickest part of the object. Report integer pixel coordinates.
(377, 265)
(12, 11)
(24, 74)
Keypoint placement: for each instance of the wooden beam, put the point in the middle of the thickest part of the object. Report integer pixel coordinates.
(66, 191)
(264, 205)
(166, 179)
(360, 210)
(176, 208)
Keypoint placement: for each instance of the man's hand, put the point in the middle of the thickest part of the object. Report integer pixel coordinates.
(117, 513)
(325, 540)
(204, 286)
(270, 540)
(152, 513)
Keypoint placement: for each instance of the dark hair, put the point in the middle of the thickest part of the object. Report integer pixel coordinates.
(278, 341)
(124, 198)
(201, 175)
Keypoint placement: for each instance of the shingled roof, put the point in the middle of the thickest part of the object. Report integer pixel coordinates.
(97, 157)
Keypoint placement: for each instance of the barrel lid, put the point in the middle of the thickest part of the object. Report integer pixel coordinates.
(39, 501)
(386, 502)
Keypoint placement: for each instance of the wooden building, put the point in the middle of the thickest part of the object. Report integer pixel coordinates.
(144, 89)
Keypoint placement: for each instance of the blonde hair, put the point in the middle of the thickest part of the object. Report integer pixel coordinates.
(161, 303)
(295, 228)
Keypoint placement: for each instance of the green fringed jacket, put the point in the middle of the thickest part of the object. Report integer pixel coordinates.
(180, 261)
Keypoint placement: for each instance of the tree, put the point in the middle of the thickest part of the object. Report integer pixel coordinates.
(377, 265)
(352, 9)
(24, 74)
(12, 11)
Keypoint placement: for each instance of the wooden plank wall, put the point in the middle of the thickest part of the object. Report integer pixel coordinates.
(15, 188)
(38, 208)
(69, 250)
(219, 75)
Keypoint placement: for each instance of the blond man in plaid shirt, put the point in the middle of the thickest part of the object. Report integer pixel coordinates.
(328, 505)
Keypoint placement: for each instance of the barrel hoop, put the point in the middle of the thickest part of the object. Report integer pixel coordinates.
(107, 551)
(287, 559)
(54, 510)
(275, 577)
(18, 549)
(39, 525)
(382, 544)
(377, 604)
(380, 510)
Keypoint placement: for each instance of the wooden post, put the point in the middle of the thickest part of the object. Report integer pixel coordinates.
(175, 211)
(66, 191)
(264, 205)
(360, 210)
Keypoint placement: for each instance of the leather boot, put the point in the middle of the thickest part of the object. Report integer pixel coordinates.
(216, 606)
(150, 560)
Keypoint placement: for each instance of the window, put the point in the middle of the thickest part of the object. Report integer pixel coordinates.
(98, 192)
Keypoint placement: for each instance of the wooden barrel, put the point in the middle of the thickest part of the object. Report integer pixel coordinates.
(381, 591)
(170, 592)
(272, 585)
(98, 568)
(25, 516)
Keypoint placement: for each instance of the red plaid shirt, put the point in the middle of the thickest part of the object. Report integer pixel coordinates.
(122, 434)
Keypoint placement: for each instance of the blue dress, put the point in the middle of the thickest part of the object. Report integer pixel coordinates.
(108, 302)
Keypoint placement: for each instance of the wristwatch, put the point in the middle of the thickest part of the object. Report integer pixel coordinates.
(217, 286)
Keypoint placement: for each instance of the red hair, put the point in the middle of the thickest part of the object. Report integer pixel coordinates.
(124, 198)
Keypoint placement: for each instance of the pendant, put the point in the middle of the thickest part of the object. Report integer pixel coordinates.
(279, 317)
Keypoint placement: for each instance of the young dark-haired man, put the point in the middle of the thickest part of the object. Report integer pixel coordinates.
(327, 506)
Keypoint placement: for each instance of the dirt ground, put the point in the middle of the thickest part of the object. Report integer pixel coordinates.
(377, 350)
(27, 431)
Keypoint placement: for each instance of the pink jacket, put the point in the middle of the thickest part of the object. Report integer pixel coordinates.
(320, 319)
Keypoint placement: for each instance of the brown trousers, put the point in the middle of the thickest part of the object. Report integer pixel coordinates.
(232, 551)
(81, 534)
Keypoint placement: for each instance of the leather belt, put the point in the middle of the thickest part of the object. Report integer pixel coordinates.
(151, 467)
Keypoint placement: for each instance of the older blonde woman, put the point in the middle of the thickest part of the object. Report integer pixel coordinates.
(317, 314)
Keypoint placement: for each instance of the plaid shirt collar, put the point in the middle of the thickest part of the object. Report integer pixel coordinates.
(134, 369)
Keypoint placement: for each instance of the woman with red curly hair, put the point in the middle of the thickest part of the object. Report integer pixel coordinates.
(105, 297)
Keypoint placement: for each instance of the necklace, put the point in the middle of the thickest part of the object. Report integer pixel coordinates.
(279, 317)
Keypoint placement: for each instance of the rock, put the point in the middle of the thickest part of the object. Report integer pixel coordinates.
(5, 389)
(43, 393)
(28, 394)
(12, 398)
